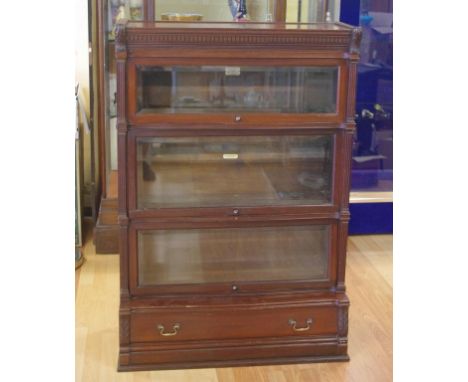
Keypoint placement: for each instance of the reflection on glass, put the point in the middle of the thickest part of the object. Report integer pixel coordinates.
(195, 256)
(214, 10)
(122, 9)
(233, 171)
(207, 89)
(136, 9)
(310, 11)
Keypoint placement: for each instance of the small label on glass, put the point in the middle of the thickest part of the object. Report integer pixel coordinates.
(230, 156)
(232, 70)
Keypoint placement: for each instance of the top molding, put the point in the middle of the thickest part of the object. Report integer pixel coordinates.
(331, 37)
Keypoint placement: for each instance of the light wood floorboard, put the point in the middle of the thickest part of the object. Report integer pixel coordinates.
(369, 283)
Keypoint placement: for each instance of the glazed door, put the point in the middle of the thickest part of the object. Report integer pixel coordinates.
(228, 89)
(234, 172)
(233, 257)
(251, 92)
(181, 172)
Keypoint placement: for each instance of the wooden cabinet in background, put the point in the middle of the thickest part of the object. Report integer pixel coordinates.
(234, 150)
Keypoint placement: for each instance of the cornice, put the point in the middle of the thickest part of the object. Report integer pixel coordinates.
(329, 40)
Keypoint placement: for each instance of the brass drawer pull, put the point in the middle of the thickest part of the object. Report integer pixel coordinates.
(175, 330)
(296, 329)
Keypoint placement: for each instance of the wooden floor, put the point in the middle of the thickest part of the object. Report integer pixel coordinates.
(369, 283)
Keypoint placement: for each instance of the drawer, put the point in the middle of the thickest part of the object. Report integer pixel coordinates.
(230, 323)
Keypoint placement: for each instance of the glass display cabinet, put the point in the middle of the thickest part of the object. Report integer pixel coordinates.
(262, 90)
(234, 155)
(372, 163)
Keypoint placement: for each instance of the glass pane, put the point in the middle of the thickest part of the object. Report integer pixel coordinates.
(220, 89)
(195, 256)
(312, 11)
(215, 10)
(234, 171)
(123, 9)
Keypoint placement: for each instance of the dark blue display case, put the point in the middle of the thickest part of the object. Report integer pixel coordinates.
(372, 166)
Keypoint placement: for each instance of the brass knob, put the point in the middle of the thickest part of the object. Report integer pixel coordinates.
(235, 288)
(238, 118)
(235, 212)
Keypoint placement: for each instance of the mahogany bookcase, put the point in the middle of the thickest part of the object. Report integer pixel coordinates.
(234, 151)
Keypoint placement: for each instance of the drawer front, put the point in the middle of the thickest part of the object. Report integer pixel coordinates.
(206, 324)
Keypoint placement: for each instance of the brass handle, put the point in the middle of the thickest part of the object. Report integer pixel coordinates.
(296, 329)
(175, 330)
